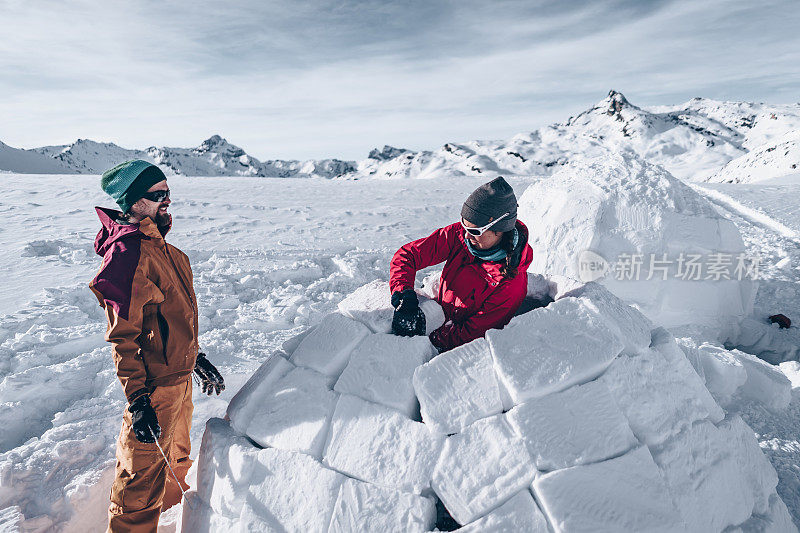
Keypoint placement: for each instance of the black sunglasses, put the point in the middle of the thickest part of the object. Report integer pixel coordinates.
(156, 196)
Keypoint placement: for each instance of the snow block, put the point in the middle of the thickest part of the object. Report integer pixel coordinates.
(706, 483)
(290, 345)
(290, 491)
(295, 413)
(765, 383)
(622, 494)
(371, 305)
(327, 348)
(480, 468)
(379, 445)
(776, 520)
(381, 368)
(365, 507)
(518, 514)
(760, 476)
(577, 426)
(244, 403)
(659, 399)
(224, 467)
(627, 322)
(458, 387)
(552, 348)
(199, 517)
(725, 374)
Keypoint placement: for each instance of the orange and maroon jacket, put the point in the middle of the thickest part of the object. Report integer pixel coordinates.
(145, 286)
(473, 293)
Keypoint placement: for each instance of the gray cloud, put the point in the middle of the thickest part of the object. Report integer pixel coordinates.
(316, 79)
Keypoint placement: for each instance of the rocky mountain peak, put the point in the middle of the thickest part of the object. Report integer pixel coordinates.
(614, 103)
(388, 152)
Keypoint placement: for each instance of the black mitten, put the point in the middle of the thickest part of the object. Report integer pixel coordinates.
(408, 319)
(145, 422)
(210, 378)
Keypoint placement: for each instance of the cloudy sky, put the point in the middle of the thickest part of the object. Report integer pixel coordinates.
(325, 78)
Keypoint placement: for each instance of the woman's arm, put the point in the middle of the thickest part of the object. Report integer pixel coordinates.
(496, 312)
(420, 254)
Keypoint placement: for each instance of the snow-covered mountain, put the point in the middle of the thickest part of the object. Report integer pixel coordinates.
(691, 140)
(773, 159)
(214, 157)
(694, 141)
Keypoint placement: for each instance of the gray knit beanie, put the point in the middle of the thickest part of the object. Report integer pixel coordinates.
(489, 202)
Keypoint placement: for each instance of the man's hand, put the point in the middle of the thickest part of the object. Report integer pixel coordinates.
(209, 376)
(408, 319)
(145, 421)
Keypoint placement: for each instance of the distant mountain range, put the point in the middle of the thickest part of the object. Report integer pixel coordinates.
(700, 140)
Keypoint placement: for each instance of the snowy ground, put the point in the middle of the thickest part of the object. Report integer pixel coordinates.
(768, 216)
(269, 256)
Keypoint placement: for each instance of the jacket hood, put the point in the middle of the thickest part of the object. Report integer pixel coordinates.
(113, 231)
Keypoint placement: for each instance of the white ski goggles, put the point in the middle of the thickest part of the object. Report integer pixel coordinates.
(477, 232)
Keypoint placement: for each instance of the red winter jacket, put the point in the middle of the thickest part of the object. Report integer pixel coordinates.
(473, 293)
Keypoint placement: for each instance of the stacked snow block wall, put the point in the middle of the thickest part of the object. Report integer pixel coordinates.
(578, 416)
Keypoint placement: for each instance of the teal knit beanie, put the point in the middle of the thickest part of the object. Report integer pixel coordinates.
(127, 182)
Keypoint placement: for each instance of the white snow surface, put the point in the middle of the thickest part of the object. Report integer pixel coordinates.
(519, 513)
(267, 271)
(577, 426)
(381, 368)
(371, 305)
(622, 494)
(480, 468)
(458, 387)
(534, 356)
(636, 229)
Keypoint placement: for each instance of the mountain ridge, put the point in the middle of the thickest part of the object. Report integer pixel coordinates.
(694, 141)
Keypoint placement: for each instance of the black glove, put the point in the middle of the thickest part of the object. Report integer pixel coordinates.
(408, 319)
(208, 376)
(145, 421)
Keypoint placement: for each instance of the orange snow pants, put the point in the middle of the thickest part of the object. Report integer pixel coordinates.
(143, 485)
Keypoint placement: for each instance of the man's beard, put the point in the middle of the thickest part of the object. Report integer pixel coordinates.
(163, 221)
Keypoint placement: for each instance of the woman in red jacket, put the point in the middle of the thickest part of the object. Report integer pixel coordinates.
(484, 280)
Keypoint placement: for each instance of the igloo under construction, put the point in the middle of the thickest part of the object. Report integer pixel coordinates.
(580, 415)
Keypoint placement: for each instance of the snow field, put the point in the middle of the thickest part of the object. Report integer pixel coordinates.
(622, 439)
(262, 273)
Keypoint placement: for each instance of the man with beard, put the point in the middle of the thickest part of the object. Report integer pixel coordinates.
(145, 286)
